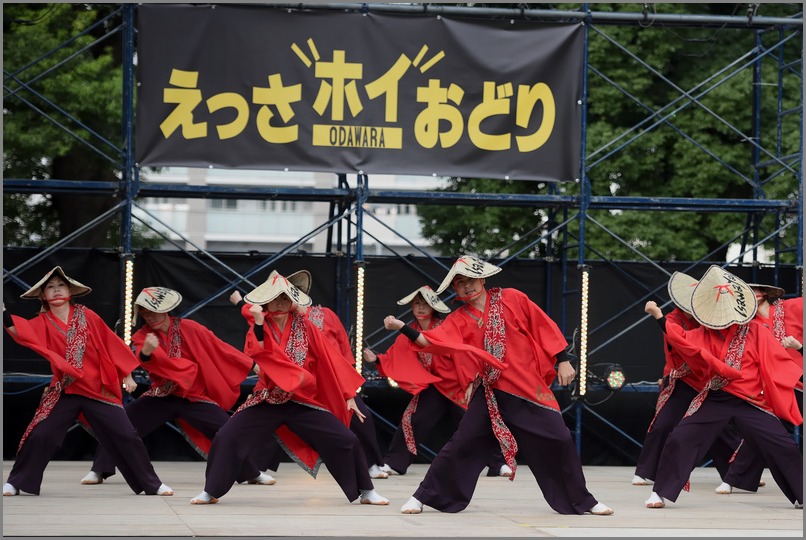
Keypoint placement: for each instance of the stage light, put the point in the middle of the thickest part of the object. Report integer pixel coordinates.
(614, 377)
(583, 334)
(359, 319)
(127, 300)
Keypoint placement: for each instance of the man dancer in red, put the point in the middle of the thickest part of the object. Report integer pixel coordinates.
(438, 383)
(305, 392)
(514, 408)
(784, 318)
(328, 322)
(752, 386)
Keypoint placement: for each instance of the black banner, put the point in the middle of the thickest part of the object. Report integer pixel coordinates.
(253, 87)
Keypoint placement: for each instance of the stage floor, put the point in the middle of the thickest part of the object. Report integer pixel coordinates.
(298, 505)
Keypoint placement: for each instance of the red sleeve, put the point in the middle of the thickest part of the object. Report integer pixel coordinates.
(31, 334)
(161, 368)
(542, 327)
(447, 338)
(547, 339)
(337, 334)
(677, 356)
(222, 367)
(116, 359)
(694, 346)
(330, 363)
(402, 364)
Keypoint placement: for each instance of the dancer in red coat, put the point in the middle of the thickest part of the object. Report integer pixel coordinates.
(439, 385)
(196, 379)
(752, 384)
(305, 392)
(90, 365)
(514, 407)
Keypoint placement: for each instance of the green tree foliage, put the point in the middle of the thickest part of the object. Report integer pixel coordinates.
(699, 151)
(63, 120)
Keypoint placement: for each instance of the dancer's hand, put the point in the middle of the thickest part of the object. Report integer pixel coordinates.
(370, 356)
(791, 342)
(652, 308)
(150, 344)
(391, 323)
(353, 407)
(129, 385)
(565, 373)
(257, 313)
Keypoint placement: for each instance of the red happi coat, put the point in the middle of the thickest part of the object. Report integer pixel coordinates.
(323, 380)
(106, 361)
(767, 373)
(533, 341)
(415, 371)
(206, 370)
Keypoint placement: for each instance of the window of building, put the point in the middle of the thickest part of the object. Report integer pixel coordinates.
(223, 204)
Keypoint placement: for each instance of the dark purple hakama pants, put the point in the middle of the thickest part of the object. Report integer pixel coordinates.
(432, 406)
(110, 425)
(250, 430)
(148, 413)
(544, 442)
(694, 435)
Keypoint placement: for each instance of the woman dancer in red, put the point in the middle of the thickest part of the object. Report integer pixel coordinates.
(91, 365)
(304, 392)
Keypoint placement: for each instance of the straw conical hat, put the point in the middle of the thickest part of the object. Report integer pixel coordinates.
(302, 280)
(721, 299)
(681, 287)
(76, 288)
(273, 287)
(429, 296)
(469, 266)
(773, 292)
(158, 299)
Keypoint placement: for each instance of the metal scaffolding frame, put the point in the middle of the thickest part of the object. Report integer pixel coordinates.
(347, 213)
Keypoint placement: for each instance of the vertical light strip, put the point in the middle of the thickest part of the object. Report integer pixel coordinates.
(359, 320)
(127, 302)
(583, 336)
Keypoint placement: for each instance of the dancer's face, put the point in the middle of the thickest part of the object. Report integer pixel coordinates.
(281, 304)
(154, 320)
(761, 295)
(420, 308)
(56, 291)
(467, 287)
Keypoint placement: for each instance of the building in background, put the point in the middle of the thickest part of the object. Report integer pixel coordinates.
(243, 225)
